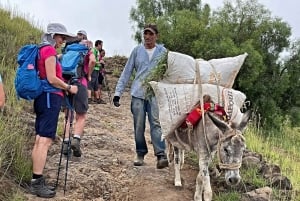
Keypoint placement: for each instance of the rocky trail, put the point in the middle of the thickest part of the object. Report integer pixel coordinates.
(105, 172)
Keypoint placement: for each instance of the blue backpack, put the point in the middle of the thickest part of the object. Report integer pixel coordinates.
(28, 84)
(72, 61)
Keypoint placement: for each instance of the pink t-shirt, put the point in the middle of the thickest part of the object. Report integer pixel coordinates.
(83, 80)
(46, 52)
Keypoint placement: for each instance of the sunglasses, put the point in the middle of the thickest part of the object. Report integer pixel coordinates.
(63, 37)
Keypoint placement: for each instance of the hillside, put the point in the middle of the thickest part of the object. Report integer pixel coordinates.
(106, 173)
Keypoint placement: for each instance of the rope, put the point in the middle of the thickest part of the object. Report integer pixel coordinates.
(217, 82)
(189, 132)
(231, 166)
(198, 79)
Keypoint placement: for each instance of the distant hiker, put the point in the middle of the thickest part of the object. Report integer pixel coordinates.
(82, 35)
(80, 102)
(93, 84)
(142, 60)
(101, 76)
(2, 94)
(47, 117)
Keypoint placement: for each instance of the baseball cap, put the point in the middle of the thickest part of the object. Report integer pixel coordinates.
(83, 32)
(151, 27)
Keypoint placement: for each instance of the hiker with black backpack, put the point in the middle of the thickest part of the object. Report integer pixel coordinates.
(48, 104)
(93, 84)
(81, 74)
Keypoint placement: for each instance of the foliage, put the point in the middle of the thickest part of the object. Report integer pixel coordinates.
(239, 26)
(290, 101)
(234, 196)
(15, 31)
(156, 74)
(278, 148)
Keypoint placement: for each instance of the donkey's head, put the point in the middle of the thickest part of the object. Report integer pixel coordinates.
(231, 147)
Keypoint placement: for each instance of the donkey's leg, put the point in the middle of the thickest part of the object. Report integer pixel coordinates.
(203, 188)
(177, 164)
(182, 158)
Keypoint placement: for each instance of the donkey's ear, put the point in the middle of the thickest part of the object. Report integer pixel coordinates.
(245, 120)
(222, 125)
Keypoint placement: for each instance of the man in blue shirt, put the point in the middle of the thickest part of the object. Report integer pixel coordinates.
(142, 60)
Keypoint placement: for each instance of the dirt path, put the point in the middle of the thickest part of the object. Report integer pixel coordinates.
(105, 171)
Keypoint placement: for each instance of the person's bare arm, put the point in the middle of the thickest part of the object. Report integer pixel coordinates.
(50, 64)
(92, 63)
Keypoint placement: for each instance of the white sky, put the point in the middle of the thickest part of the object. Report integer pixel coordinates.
(108, 20)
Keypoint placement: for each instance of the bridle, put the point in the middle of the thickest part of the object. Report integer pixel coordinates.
(230, 166)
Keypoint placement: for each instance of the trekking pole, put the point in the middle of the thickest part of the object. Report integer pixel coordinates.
(107, 87)
(62, 147)
(71, 110)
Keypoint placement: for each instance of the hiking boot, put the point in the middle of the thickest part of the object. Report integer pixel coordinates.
(75, 146)
(39, 188)
(90, 101)
(66, 149)
(100, 101)
(138, 161)
(162, 162)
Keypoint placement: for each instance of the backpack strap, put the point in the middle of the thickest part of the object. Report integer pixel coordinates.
(47, 87)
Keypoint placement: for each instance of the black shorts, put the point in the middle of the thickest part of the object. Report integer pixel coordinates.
(47, 118)
(100, 78)
(80, 100)
(93, 84)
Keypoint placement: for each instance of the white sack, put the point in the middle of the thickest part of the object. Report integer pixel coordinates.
(175, 100)
(182, 69)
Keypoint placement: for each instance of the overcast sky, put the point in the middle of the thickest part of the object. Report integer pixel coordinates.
(108, 20)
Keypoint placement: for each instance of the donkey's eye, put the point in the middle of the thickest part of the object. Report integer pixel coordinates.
(226, 151)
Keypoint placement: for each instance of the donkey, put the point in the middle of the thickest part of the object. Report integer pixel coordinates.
(218, 136)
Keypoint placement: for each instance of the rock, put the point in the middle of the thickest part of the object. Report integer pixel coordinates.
(251, 162)
(254, 154)
(261, 194)
(268, 170)
(281, 182)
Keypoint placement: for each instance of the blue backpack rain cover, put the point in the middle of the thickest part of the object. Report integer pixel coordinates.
(72, 61)
(28, 84)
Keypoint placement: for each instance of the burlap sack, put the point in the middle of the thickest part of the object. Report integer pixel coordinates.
(176, 100)
(182, 69)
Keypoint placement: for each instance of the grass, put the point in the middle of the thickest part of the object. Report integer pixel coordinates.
(15, 163)
(282, 149)
(234, 196)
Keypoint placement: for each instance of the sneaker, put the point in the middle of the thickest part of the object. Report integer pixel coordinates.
(66, 149)
(162, 162)
(39, 188)
(75, 146)
(138, 161)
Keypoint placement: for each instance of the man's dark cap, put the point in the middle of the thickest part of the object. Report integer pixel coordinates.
(151, 27)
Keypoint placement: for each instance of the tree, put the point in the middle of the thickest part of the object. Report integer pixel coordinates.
(291, 71)
(252, 29)
(239, 26)
(164, 13)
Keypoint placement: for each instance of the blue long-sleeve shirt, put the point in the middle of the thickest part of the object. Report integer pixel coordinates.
(138, 60)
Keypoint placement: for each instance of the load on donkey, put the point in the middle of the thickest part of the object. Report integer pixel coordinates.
(199, 111)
